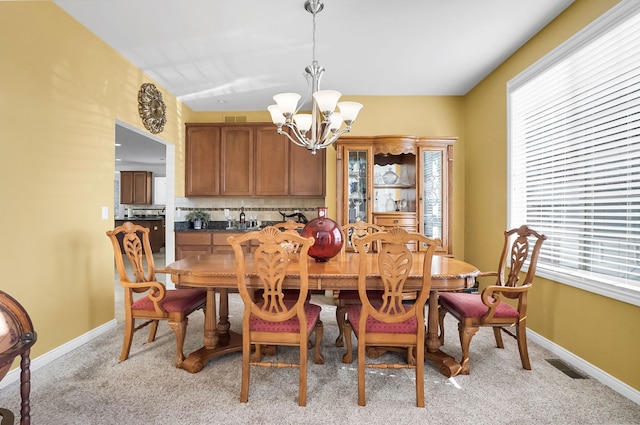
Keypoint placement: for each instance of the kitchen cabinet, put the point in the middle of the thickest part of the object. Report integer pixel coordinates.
(272, 162)
(202, 160)
(307, 172)
(191, 244)
(236, 161)
(249, 160)
(136, 187)
(397, 181)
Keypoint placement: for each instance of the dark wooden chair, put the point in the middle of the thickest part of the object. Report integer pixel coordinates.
(159, 303)
(274, 319)
(489, 308)
(390, 321)
(16, 339)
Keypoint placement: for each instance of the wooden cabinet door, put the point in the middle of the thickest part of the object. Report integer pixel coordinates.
(202, 161)
(135, 187)
(237, 166)
(142, 187)
(272, 162)
(306, 172)
(126, 187)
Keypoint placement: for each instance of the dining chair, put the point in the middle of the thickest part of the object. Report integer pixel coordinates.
(273, 319)
(491, 307)
(390, 321)
(17, 336)
(159, 303)
(343, 298)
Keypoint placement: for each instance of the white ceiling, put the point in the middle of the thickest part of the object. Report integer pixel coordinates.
(219, 55)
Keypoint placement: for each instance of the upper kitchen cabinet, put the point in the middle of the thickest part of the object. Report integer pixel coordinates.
(236, 165)
(249, 159)
(272, 162)
(397, 181)
(202, 160)
(307, 172)
(136, 187)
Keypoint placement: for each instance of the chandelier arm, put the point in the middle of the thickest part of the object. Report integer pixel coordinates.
(299, 139)
(334, 137)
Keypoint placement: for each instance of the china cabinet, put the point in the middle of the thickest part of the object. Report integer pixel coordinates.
(397, 181)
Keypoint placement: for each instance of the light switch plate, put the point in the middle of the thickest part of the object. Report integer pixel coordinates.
(105, 213)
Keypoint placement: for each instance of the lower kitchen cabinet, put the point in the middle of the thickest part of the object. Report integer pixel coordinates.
(193, 243)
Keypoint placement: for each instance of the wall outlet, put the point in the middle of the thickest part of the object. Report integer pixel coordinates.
(226, 212)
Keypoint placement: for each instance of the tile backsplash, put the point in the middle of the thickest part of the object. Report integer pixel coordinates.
(264, 209)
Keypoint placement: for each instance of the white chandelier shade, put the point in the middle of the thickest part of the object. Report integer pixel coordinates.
(323, 126)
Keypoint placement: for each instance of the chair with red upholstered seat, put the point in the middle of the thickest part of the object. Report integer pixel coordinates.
(390, 321)
(273, 319)
(490, 307)
(159, 303)
(346, 297)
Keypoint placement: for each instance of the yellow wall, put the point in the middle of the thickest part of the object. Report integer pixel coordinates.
(62, 90)
(602, 331)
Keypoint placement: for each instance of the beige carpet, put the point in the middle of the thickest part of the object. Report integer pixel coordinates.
(91, 387)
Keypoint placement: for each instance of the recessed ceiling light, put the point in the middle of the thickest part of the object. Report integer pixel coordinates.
(222, 101)
(118, 159)
(118, 144)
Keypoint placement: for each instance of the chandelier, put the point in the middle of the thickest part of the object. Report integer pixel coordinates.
(322, 126)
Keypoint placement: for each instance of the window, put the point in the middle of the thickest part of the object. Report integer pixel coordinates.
(574, 156)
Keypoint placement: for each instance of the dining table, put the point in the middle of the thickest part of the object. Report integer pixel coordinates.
(217, 274)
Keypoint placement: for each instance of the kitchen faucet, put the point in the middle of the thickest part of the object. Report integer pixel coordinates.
(300, 217)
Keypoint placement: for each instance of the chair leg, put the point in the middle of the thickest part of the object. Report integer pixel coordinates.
(180, 329)
(466, 333)
(302, 392)
(153, 329)
(341, 311)
(497, 333)
(348, 356)
(318, 357)
(419, 373)
(361, 383)
(521, 336)
(246, 357)
(128, 336)
(441, 313)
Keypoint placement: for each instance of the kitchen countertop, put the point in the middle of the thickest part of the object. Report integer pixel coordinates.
(139, 218)
(216, 226)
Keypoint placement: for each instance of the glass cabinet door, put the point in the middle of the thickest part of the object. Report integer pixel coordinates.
(432, 193)
(357, 190)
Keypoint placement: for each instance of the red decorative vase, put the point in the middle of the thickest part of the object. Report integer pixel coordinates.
(328, 235)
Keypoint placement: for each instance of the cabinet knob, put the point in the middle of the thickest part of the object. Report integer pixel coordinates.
(395, 221)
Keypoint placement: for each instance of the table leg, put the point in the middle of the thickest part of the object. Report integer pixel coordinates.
(218, 339)
(445, 363)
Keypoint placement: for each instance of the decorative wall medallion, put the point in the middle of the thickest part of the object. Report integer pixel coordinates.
(151, 108)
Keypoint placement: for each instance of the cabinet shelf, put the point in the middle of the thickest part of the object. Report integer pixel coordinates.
(394, 186)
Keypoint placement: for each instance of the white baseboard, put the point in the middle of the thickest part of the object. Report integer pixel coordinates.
(38, 362)
(602, 376)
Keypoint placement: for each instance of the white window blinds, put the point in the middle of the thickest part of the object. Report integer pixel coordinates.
(574, 154)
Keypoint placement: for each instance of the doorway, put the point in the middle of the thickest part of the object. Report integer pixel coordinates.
(142, 151)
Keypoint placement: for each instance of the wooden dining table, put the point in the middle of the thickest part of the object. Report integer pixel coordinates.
(217, 273)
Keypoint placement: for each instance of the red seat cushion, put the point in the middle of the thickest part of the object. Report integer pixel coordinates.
(312, 312)
(353, 295)
(471, 305)
(373, 325)
(174, 300)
